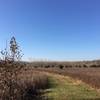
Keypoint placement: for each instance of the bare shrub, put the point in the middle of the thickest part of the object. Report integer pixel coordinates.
(18, 82)
(61, 66)
(85, 66)
(8, 79)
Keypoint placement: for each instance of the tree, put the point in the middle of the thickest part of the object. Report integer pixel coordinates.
(14, 49)
(13, 53)
(61, 66)
(10, 68)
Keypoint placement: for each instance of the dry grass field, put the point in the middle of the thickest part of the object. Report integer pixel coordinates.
(24, 85)
(90, 76)
(25, 82)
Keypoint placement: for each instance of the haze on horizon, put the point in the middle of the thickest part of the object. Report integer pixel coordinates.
(52, 29)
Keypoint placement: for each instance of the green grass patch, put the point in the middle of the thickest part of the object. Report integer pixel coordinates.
(65, 89)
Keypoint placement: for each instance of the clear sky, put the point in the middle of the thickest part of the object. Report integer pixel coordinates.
(52, 29)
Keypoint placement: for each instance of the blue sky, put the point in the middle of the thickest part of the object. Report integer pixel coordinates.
(52, 29)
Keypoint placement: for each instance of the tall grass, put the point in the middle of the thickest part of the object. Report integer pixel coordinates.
(24, 85)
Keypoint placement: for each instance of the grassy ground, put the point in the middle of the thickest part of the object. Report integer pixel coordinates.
(65, 88)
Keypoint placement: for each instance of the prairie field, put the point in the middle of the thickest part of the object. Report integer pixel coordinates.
(29, 82)
(49, 49)
(90, 76)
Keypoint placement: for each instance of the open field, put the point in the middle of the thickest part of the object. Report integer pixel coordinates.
(61, 65)
(90, 76)
(49, 49)
(57, 83)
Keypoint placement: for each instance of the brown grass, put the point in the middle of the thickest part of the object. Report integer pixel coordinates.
(90, 76)
(25, 85)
